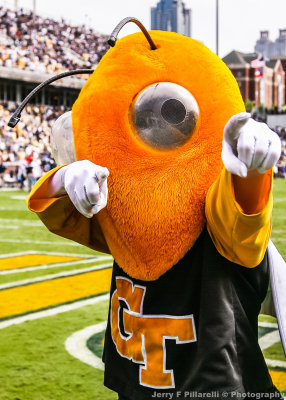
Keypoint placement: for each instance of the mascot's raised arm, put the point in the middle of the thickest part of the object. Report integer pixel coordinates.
(160, 166)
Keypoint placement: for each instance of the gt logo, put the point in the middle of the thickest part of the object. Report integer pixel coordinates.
(141, 338)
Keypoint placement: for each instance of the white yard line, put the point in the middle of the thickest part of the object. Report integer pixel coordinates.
(15, 222)
(76, 345)
(268, 324)
(280, 200)
(55, 265)
(63, 274)
(41, 242)
(11, 208)
(53, 311)
(9, 189)
(269, 339)
(19, 197)
(275, 363)
(40, 252)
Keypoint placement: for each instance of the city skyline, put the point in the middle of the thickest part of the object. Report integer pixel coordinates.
(170, 15)
(240, 22)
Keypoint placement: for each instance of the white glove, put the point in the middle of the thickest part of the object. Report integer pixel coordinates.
(248, 144)
(86, 185)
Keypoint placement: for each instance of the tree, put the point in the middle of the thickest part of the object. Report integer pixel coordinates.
(249, 105)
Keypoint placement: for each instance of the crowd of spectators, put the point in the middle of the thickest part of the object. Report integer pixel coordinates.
(45, 45)
(280, 167)
(25, 152)
(35, 43)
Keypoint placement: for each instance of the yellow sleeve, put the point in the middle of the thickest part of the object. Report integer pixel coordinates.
(239, 237)
(62, 218)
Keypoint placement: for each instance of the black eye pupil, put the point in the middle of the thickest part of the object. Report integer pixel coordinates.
(164, 115)
(173, 111)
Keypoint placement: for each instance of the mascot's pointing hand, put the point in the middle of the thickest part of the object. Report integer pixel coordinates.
(86, 185)
(248, 144)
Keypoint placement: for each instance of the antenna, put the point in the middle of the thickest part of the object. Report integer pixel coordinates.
(113, 37)
(15, 118)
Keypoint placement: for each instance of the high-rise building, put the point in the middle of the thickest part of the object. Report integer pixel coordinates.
(270, 49)
(280, 44)
(171, 15)
(264, 45)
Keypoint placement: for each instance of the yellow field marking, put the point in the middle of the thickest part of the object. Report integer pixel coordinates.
(279, 379)
(30, 260)
(44, 294)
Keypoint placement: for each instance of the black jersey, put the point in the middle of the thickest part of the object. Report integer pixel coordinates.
(193, 331)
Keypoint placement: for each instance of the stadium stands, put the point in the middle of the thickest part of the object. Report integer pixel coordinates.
(45, 45)
(30, 48)
(280, 168)
(25, 153)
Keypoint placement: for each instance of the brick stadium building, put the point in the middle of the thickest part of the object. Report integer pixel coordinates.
(268, 89)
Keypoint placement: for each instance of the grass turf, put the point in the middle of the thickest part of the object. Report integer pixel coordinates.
(34, 364)
(279, 216)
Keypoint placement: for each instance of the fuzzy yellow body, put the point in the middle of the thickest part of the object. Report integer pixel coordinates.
(156, 202)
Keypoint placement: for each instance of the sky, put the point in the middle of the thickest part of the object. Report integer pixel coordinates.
(240, 21)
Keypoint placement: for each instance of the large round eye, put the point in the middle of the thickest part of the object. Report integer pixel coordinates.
(164, 115)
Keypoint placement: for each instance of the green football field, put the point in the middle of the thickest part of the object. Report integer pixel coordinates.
(54, 303)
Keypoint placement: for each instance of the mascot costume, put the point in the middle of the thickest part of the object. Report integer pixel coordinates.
(160, 129)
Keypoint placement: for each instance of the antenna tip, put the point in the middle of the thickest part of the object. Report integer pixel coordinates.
(13, 121)
(111, 41)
